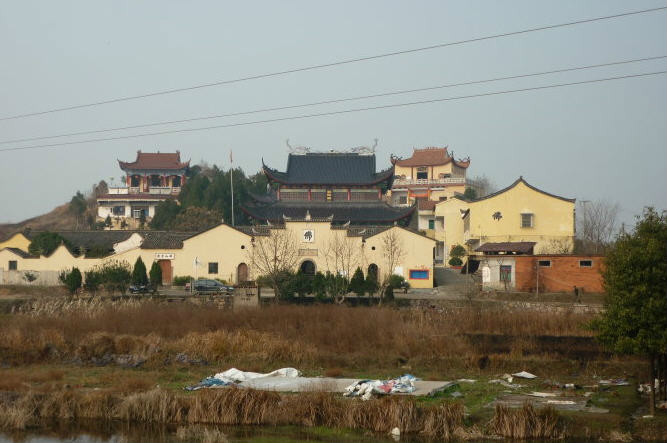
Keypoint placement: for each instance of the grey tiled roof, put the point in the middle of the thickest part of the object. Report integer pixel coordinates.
(164, 239)
(330, 169)
(356, 212)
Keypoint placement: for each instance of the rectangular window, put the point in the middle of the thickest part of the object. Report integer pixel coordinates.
(431, 224)
(403, 200)
(526, 220)
(118, 210)
(544, 263)
(505, 273)
(213, 267)
(13, 265)
(442, 199)
(418, 274)
(585, 263)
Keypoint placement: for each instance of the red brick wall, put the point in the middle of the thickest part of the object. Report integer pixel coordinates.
(563, 275)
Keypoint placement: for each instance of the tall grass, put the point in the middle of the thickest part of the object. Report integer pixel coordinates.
(526, 422)
(307, 336)
(235, 407)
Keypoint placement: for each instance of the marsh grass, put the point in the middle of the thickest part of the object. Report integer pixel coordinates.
(322, 336)
(234, 407)
(527, 422)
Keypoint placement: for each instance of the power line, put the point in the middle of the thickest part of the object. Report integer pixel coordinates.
(332, 101)
(322, 114)
(332, 64)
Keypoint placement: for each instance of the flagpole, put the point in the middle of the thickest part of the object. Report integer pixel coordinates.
(231, 180)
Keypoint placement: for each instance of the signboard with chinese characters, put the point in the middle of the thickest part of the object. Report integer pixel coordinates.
(308, 236)
(164, 256)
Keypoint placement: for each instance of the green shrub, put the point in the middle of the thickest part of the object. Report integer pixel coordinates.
(94, 280)
(357, 284)
(139, 276)
(181, 280)
(45, 243)
(396, 281)
(455, 261)
(116, 276)
(71, 279)
(155, 276)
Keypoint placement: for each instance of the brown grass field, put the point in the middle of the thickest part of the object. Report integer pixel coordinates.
(75, 359)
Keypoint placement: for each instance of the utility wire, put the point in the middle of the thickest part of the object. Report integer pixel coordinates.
(322, 114)
(336, 63)
(326, 102)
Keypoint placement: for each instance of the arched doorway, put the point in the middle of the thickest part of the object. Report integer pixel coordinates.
(373, 269)
(241, 273)
(307, 267)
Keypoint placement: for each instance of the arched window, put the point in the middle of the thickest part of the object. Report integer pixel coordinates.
(241, 273)
(307, 267)
(373, 270)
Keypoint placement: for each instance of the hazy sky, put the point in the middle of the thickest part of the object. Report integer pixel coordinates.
(597, 141)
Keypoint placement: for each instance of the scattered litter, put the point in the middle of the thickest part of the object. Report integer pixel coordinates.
(507, 377)
(234, 376)
(524, 374)
(561, 402)
(588, 394)
(614, 382)
(542, 394)
(570, 386)
(466, 380)
(661, 405)
(366, 388)
(506, 384)
(456, 394)
(395, 431)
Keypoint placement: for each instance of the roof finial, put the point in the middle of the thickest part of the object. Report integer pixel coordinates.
(307, 215)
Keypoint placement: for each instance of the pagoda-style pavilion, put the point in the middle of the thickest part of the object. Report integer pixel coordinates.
(152, 178)
(341, 187)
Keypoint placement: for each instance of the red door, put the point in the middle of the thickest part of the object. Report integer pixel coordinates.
(165, 266)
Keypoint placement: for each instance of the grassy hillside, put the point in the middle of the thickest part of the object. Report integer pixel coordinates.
(59, 218)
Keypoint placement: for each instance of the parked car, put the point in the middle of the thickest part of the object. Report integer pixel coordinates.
(139, 289)
(204, 285)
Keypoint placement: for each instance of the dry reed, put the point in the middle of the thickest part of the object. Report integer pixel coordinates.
(234, 407)
(322, 336)
(526, 422)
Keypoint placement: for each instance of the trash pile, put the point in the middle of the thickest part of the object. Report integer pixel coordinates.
(366, 388)
(235, 376)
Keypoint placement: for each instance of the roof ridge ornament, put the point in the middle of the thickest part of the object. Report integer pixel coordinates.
(307, 215)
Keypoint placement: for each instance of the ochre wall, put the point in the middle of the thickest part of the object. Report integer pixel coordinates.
(230, 247)
(553, 219)
(563, 275)
(16, 241)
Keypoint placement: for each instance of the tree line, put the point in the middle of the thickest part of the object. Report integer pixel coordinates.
(206, 199)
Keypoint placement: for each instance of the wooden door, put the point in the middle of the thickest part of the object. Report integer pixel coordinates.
(165, 266)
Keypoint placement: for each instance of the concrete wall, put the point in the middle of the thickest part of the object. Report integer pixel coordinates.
(490, 269)
(44, 278)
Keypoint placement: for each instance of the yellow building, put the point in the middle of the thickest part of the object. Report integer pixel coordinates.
(226, 253)
(518, 213)
(430, 173)
(17, 240)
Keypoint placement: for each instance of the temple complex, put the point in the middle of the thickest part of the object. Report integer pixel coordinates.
(153, 177)
(342, 187)
(430, 174)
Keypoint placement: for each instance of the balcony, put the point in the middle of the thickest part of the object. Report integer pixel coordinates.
(163, 190)
(118, 190)
(430, 181)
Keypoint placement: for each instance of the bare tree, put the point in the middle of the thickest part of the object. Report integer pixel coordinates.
(556, 246)
(482, 185)
(393, 253)
(272, 256)
(341, 255)
(596, 225)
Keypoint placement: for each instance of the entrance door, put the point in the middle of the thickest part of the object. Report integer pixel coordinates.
(241, 273)
(165, 266)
